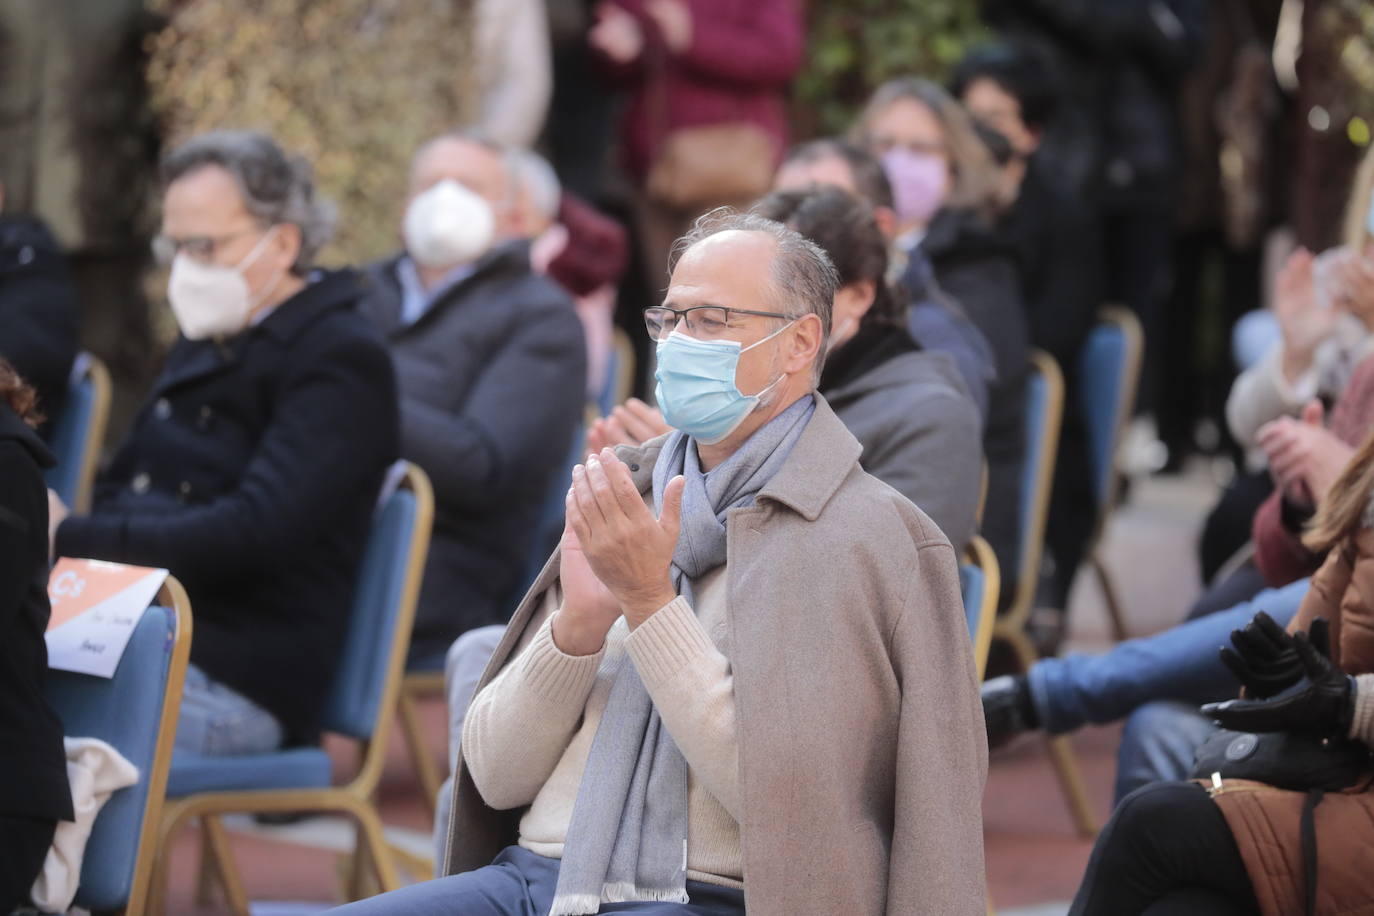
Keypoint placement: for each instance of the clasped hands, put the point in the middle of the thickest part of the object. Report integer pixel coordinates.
(615, 555)
(1305, 457)
(1295, 684)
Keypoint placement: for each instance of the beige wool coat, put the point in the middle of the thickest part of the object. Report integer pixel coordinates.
(862, 752)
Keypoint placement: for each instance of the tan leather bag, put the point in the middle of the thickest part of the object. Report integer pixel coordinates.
(700, 167)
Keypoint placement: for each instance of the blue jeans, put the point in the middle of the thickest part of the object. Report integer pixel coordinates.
(1180, 663)
(520, 883)
(1158, 745)
(219, 721)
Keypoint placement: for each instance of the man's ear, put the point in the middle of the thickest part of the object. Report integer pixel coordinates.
(806, 343)
(288, 242)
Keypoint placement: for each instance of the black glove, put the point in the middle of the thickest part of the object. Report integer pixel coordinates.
(1264, 659)
(1323, 703)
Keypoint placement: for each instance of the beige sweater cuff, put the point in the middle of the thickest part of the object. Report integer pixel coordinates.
(671, 639)
(554, 674)
(1362, 725)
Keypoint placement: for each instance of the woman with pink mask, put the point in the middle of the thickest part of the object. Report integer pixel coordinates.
(946, 194)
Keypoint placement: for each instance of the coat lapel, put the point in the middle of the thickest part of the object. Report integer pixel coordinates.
(195, 360)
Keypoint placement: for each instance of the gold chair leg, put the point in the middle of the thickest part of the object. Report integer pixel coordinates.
(360, 884)
(234, 894)
(209, 871)
(1071, 782)
(425, 769)
(370, 826)
(156, 901)
(1114, 611)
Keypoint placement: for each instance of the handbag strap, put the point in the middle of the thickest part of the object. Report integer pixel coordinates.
(1309, 846)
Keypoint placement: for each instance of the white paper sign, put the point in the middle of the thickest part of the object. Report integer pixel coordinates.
(95, 607)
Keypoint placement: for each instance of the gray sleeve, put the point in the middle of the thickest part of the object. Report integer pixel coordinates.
(935, 459)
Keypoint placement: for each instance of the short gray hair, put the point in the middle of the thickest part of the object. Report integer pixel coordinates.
(804, 279)
(539, 180)
(276, 188)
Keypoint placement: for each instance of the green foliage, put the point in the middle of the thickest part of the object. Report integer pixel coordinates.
(352, 85)
(855, 45)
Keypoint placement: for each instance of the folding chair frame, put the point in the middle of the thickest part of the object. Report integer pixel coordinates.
(354, 799)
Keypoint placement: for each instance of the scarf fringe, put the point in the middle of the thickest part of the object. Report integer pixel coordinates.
(625, 892)
(575, 905)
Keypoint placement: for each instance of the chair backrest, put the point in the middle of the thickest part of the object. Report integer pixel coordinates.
(1108, 372)
(78, 430)
(1044, 412)
(369, 673)
(136, 712)
(980, 583)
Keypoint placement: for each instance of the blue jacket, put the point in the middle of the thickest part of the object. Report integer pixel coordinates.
(251, 472)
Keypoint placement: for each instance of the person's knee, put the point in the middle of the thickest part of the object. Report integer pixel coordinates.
(1158, 744)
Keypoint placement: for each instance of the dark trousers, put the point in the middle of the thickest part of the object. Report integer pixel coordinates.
(1227, 528)
(1166, 852)
(24, 843)
(520, 883)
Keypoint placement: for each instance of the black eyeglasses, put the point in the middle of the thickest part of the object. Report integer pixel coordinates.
(706, 322)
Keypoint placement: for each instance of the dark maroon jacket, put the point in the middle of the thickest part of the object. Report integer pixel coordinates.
(743, 56)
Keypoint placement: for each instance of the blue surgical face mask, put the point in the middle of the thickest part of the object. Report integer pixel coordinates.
(696, 385)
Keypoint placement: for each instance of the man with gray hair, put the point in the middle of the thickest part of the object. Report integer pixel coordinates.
(745, 678)
(491, 366)
(252, 469)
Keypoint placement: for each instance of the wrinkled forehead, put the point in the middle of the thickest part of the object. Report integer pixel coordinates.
(732, 269)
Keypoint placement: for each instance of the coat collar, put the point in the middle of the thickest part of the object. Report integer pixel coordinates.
(823, 457)
(326, 292)
(510, 257)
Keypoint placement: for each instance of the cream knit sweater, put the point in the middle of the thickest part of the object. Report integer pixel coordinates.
(528, 733)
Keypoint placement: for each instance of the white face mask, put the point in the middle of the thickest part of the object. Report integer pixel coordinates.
(213, 301)
(448, 226)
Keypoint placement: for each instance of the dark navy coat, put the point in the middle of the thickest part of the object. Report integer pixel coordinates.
(251, 473)
(492, 380)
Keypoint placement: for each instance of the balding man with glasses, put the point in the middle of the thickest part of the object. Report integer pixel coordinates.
(745, 678)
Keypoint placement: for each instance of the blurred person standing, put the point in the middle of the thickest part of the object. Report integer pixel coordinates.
(705, 123)
(513, 70)
(252, 469)
(40, 315)
(1057, 243)
(948, 200)
(491, 366)
(34, 794)
(1117, 135)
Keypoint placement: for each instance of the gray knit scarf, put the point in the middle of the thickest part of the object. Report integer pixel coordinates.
(628, 835)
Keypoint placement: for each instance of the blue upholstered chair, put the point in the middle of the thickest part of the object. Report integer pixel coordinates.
(980, 583)
(77, 431)
(1044, 413)
(136, 713)
(1109, 371)
(360, 706)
